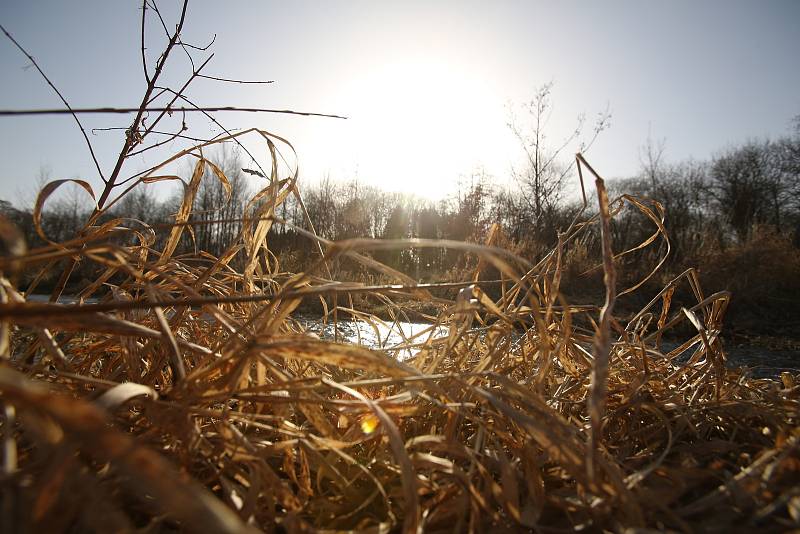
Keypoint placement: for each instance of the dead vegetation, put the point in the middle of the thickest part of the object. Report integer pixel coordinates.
(179, 393)
(186, 396)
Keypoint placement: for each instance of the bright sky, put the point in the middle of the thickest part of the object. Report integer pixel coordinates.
(426, 85)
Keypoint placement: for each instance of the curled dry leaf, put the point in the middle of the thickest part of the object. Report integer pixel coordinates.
(45, 193)
(122, 393)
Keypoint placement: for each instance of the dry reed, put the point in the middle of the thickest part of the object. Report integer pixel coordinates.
(182, 392)
(188, 397)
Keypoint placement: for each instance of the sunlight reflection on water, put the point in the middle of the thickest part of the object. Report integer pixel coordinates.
(403, 340)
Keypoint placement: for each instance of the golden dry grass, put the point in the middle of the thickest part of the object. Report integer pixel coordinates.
(189, 398)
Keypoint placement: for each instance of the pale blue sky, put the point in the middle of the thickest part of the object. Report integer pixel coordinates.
(426, 84)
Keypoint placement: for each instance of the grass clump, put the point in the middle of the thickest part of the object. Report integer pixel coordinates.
(181, 393)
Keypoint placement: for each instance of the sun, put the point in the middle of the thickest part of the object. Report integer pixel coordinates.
(416, 124)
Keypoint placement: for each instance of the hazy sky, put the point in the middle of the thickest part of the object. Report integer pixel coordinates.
(426, 85)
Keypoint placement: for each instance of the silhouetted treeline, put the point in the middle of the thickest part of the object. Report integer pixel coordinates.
(743, 201)
(717, 204)
(723, 201)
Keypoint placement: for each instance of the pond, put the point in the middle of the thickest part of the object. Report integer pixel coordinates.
(404, 339)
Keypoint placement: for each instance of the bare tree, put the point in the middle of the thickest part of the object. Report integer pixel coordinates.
(140, 204)
(545, 171)
(222, 209)
(321, 205)
(650, 159)
(750, 186)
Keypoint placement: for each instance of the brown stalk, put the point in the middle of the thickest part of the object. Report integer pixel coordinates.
(602, 340)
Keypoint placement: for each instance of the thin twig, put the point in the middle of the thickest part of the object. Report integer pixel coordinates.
(209, 109)
(130, 140)
(155, 97)
(144, 58)
(213, 119)
(234, 81)
(166, 32)
(168, 108)
(178, 136)
(154, 5)
(201, 48)
(64, 100)
(171, 138)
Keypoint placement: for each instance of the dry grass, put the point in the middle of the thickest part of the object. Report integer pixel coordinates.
(188, 398)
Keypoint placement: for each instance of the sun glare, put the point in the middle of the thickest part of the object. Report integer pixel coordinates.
(417, 119)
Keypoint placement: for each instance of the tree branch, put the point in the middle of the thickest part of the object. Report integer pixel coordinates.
(210, 109)
(144, 59)
(130, 140)
(177, 93)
